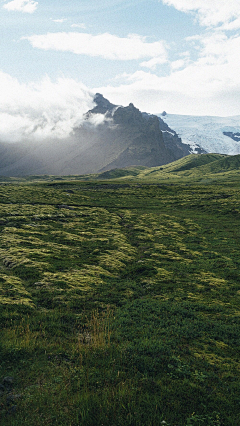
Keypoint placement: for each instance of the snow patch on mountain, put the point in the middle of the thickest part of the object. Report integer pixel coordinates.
(206, 132)
(170, 133)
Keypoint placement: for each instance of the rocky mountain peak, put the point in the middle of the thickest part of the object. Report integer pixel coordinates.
(103, 106)
(129, 115)
(129, 138)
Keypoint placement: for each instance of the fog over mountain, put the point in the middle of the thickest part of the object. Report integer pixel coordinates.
(44, 110)
(108, 136)
(92, 135)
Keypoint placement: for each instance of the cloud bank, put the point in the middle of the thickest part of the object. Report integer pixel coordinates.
(210, 12)
(105, 45)
(27, 6)
(39, 111)
(208, 86)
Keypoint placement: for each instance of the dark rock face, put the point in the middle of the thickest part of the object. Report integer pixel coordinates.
(173, 142)
(234, 136)
(103, 106)
(141, 137)
(124, 137)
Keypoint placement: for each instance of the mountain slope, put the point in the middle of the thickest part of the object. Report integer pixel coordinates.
(196, 168)
(205, 168)
(110, 137)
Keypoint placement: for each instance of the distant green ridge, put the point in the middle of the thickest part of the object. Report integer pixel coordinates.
(193, 167)
(203, 168)
(118, 173)
(225, 164)
(193, 161)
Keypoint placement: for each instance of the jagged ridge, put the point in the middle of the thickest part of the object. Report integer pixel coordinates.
(125, 137)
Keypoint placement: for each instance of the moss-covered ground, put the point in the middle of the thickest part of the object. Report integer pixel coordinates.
(120, 303)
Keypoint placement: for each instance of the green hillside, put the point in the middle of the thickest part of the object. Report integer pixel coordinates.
(194, 161)
(196, 168)
(118, 173)
(225, 164)
(120, 299)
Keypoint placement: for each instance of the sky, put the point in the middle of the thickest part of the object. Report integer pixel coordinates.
(181, 56)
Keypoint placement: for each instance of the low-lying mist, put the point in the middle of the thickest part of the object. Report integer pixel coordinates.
(43, 111)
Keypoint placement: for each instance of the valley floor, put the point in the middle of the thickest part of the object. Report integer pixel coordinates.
(119, 303)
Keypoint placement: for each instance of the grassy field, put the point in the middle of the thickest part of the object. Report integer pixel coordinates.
(120, 299)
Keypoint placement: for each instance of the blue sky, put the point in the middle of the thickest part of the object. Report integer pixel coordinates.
(150, 19)
(181, 56)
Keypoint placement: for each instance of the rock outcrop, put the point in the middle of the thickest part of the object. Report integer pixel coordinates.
(233, 136)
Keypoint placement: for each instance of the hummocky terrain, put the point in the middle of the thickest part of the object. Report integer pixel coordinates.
(120, 298)
(110, 137)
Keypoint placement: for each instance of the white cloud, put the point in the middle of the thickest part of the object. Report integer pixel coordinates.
(104, 45)
(232, 25)
(208, 86)
(81, 25)
(27, 6)
(210, 12)
(59, 21)
(152, 63)
(41, 110)
(177, 64)
(97, 119)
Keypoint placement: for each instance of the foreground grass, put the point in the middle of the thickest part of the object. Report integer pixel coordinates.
(120, 303)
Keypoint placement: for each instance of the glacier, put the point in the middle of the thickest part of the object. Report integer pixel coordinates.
(206, 132)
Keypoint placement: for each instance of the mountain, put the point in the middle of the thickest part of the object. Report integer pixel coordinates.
(110, 137)
(212, 134)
